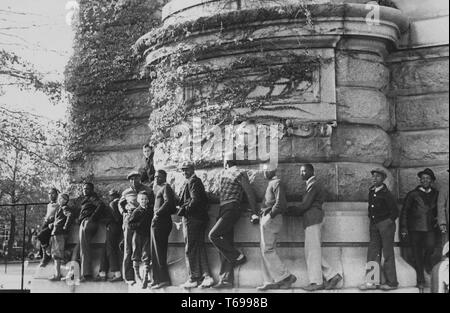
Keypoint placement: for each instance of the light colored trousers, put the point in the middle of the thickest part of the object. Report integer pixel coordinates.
(318, 267)
(274, 270)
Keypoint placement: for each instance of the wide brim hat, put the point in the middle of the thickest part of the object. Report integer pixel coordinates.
(186, 165)
(428, 172)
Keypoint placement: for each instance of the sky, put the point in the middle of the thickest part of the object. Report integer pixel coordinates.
(39, 31)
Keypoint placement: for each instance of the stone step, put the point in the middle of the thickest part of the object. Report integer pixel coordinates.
(351, 261)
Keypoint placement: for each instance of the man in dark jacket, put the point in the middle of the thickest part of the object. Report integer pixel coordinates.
(160, 230)
(194, 210)
(91, 208)
(311, 211)
(147, 169)
(111, 260)
(418, 223)
(383, 212)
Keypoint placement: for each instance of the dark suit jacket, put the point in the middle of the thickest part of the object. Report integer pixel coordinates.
(311, 207)
(419, 212)
(193, 199)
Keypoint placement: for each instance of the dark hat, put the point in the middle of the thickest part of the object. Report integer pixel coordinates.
(133, 174)
(428, 172)
(64, 196)
(379, 171)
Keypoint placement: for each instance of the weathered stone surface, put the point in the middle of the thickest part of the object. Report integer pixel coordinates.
(140, 103)
(420, 77)
(342, 181)
(408, 180)
(421, 148)
(422, 112)
(362, 106)
(361, 70)
(363, 144)
(118, 163)
(423, 32)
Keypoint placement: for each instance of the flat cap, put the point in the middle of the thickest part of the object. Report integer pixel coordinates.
(379, 171)
(133, 174)
(186, 165)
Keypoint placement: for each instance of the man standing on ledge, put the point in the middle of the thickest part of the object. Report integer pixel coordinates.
(233, 185)
(276, 275)
(194, 210)
(160, 230)
(312, 212)
(91, 207)
(443, 212)
(383, 212)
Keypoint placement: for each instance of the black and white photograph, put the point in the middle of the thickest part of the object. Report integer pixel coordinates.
(218, 154)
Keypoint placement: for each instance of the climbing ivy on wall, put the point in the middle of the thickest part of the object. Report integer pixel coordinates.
(182, 86)
(102, 65)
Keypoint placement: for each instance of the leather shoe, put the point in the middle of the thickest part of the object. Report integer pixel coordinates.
(287, 282)
(332, 283)
(386, 287)
(116, 279)
(161, 285)
(368, 286)
(223, 285)
(313, 287)
(268, 286)
(241, 260)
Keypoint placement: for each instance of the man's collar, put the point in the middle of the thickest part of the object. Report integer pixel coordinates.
(311, 180)
(377, 189)
(426, 190)
(275, 177)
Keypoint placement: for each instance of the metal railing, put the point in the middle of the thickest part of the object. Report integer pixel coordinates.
(24, 230)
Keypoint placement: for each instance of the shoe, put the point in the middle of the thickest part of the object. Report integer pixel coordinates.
(223, 285)
(334, 282)
(368, 286)
(161, 285)
(116, 279)
(268, 286)
(130, 282)
(55, 278)
(314, 287)
(287, 282)
(190, 284)
(86, 278)
(207, 282)
(45, 260)
(386, 287)
(242, 259)
(100, 279)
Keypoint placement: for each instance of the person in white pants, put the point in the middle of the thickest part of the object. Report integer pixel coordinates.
(312, 213)
(275, 273)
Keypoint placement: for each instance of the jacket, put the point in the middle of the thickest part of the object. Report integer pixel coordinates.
(311, 206)
(147, 170)
(113, 214)
(275, 198)
(193, 199)
(443, 206)
(140, 220)
(164, 202)
(419, 211)
(129, 197)
(91, 207)
(382, 205)
(63, 220)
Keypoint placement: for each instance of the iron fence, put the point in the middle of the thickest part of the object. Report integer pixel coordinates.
(20, 212)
